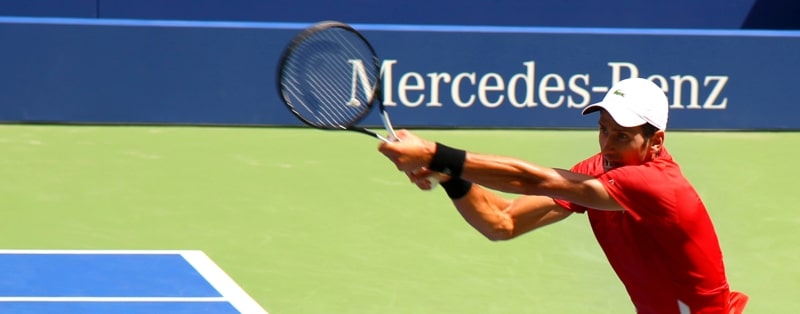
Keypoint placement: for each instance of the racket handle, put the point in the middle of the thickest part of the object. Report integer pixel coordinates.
(434, 180)
(387, 124)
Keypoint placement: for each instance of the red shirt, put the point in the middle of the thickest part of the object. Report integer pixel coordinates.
(663, 245)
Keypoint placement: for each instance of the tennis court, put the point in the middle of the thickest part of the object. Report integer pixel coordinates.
(117, 281)
(307, 221)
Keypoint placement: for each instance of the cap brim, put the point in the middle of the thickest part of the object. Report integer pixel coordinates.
(619, 113)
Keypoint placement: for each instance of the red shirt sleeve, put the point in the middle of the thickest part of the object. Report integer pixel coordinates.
(635, 186)
(570, 206)
(630, 186)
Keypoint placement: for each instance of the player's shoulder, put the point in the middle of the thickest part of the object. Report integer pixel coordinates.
(593, 165)
(660, 174)
(664, 162)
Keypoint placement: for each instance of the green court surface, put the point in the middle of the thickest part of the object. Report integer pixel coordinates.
(308, 221)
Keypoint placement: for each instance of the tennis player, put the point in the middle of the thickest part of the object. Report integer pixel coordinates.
(648, 219)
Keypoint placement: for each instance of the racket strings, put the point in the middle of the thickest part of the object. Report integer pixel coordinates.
(319, 103)
(335, 111)
(317, 78)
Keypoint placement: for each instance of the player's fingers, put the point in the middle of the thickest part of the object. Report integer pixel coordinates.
(402, 133)
(408, 137)
(404, 154)
(421, 173)
(388, 150)
(422, 182)
(438, 176)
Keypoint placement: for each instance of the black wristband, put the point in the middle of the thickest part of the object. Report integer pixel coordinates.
(448, 160)
(456, 188)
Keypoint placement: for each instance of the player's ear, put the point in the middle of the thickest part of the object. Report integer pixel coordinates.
(657, 141)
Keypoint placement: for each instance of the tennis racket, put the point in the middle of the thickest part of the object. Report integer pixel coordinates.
(329, 78)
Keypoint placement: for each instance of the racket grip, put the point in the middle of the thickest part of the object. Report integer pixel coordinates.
(434, 181)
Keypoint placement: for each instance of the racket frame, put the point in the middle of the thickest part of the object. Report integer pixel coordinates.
(376, 96)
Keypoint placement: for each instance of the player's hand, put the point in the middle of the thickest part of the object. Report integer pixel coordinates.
(425, 179)
(410, 153)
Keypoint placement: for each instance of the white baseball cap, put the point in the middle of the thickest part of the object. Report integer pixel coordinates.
(634, 102)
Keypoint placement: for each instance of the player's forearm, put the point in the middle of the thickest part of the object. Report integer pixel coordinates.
(506, 174)
(499, 173)
(483, 210)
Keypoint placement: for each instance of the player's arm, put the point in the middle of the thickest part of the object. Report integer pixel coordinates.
(520, 177)
(498, 218)
(498, 172)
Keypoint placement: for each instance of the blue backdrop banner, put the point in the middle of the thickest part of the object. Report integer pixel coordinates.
(162, 72)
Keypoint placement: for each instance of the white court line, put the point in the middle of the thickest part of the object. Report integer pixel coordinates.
(112, 299)
(224, 284)
(110, 252)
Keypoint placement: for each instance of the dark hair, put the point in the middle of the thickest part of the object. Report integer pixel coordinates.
(648, 130)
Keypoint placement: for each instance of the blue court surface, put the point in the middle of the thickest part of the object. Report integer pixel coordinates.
(113, 281)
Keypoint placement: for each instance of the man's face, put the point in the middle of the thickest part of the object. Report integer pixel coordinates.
(619, 145)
